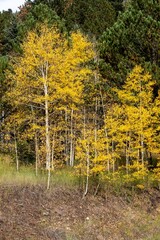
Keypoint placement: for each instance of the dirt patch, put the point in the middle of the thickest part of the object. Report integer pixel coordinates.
(32, 213)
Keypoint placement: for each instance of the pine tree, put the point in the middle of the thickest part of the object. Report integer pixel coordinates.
(133, 39)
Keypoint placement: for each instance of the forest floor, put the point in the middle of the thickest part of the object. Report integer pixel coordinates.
(30, 212)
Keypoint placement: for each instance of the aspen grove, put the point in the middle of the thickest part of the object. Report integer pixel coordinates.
(80, 101)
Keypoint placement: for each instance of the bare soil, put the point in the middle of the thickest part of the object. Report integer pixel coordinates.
(32, 213)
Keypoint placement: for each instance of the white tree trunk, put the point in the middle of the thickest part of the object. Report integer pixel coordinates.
(87, 156)
(95, 128)
(36, 143)
(127, 155)
(113, 160)
(141, 134)
(16, 150)
(106, 133)
(48, 149)
(47, 134)
(87, 172)
(52, 153)
(71, 142)
(66, 138)
(37, 153)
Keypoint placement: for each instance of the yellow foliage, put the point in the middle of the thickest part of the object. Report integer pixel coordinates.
(140, 186)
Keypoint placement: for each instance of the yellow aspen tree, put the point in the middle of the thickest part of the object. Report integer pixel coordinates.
(50, 74)
(137, 100)
(113, 123)
(155, 148)
(90, 153)
(86, 151)
(156, 125)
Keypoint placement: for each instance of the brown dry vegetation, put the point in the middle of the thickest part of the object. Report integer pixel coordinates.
(32, 213)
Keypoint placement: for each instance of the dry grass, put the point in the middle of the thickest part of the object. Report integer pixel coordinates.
(26, 175)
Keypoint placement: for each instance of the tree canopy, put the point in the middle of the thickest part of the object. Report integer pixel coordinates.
(133, 39)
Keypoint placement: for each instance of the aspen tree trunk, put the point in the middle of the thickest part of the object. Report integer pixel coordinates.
(36, 144)
(47, 135)
(142, 150)
(16, 150)
(37, 153)
(138, 158)
(2, 134)
(52, 152)
(128, 148)
(71, 142)
(87, 172)
(127, 162)
(127, 154)
(142, 137)
(95, 128)
(113, 168)
(95, 139)
(84, 124)
(106, 133)
(138, 152)
(96, 78)
(66, 138)
(48, 151)
(87, 157)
